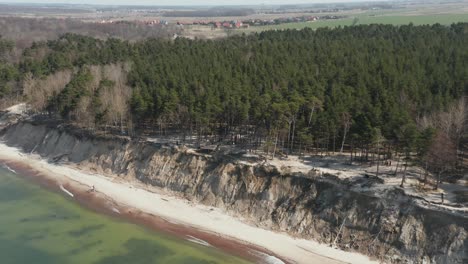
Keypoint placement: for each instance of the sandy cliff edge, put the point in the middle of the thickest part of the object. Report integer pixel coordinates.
(183, 212)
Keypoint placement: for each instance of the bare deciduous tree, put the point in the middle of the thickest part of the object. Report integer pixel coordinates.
(453, 122)
(38, 91)
(82, 112)
(115, 99)
(441, 155)
(346, 122)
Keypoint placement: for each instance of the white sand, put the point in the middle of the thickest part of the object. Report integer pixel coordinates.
(337, 165)
(183, 212)
(17, 109)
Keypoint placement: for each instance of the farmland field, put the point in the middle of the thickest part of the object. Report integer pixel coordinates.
(366, 18)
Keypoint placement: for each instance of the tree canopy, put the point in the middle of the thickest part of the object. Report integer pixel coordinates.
(302, 85)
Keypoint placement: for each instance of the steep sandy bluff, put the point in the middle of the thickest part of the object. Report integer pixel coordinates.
(389, 225)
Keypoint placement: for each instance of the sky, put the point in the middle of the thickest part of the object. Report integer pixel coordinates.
(183, 2)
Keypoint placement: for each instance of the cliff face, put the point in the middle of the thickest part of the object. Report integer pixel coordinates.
(389, 225)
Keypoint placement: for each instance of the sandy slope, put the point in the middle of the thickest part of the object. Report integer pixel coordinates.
(181, 211)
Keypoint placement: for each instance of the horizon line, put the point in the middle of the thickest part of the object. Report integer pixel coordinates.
(320, 2)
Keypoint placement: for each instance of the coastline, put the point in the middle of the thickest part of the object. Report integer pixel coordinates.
(161, 211)
(102, 204)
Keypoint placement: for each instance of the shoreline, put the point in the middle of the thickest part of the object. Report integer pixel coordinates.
(159, 210)
(102, 204)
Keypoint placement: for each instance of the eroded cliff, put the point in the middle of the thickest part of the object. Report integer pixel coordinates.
(388, 225)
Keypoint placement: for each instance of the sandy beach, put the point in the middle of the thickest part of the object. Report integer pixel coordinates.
(201, 224)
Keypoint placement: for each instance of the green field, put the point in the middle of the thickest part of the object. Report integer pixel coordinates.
(370, 18)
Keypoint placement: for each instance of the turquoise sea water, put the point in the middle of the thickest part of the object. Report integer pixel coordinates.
(39, 226)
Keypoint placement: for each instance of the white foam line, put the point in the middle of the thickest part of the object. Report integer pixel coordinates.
(198, 241)
(269, 259)
(8, 168)
(66, 191)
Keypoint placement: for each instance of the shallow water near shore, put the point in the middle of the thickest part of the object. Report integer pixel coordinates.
(40, 226)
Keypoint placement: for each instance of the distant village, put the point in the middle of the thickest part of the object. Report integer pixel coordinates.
(232, 24)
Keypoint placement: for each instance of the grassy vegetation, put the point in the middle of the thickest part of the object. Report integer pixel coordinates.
(300, 25)
(445, 19)
(370, 18)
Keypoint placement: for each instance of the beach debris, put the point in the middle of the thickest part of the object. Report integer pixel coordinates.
(93, 189)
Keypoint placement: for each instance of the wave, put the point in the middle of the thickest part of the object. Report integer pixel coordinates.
(66, 191)
(268, 259)
(8, 168)
(198, 241)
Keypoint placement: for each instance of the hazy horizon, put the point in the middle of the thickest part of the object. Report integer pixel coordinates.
(182, 2)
